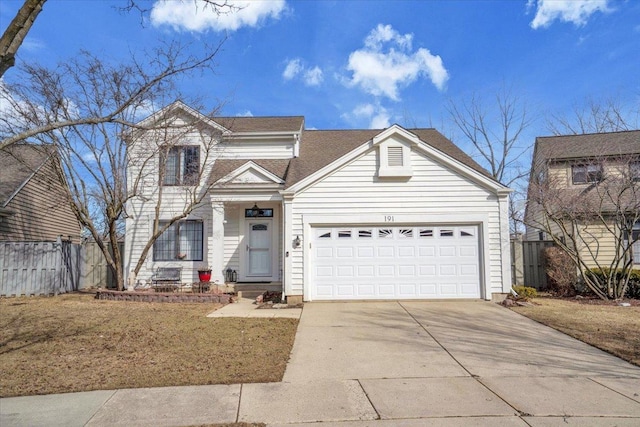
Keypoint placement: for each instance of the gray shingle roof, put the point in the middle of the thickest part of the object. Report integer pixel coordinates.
(17, 163)
(589, 145)
(223, 167)
(319, 148)
(261, 124)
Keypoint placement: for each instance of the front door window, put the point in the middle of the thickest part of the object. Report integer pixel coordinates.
(259, 248)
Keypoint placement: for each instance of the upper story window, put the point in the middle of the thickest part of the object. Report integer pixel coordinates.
(634, 170)
(181, 165)
(583, 174)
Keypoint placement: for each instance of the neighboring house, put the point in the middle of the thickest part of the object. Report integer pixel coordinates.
(32, 197)
(331, 215)
(575, 176)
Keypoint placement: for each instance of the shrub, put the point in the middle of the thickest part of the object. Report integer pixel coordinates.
(600, 276)
(525, 291)
(561, 271)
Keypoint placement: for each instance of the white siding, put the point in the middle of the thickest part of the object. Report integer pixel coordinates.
(432, 192)
(231, 238)
(265, 149)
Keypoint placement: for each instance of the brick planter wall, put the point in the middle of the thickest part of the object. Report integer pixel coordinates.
(162, 297)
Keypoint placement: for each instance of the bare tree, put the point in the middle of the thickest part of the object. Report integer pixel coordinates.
(495, 132)
(594, 225)
(596, 116)
(85, 107)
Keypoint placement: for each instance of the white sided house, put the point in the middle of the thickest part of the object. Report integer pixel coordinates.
(328, 215)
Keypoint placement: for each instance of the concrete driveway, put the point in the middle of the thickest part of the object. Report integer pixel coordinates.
(434, 362)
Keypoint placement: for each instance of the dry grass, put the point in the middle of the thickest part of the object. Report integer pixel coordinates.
(74, 343)
(609, 327)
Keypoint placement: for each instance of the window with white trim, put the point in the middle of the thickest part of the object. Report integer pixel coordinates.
(583, 174)
(181, 165)
(181, 241)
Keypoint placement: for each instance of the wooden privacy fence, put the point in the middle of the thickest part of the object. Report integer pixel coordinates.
(527, 263)
(51, 268)
(39, 268)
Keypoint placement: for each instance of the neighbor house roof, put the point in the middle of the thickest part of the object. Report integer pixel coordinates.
(18, 162)
(261, 124)
(568, 147)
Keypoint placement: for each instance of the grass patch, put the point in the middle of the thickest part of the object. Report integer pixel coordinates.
(74, 342)
(609, 327)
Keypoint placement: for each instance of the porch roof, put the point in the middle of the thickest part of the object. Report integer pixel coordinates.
(224, 167)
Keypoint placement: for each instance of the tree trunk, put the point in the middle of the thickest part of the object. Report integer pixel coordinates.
(16, 32)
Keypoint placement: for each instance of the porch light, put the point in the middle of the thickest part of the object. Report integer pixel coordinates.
(296, 242)
(255, 210)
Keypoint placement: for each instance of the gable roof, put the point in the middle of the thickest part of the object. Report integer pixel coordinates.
(224, 167)
(567, 147)
(18, 163)
(318, 148)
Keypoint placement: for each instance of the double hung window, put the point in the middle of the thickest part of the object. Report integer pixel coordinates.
(181, 165)
(181, 241)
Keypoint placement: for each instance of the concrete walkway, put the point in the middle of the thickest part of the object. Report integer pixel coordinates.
(387, 364)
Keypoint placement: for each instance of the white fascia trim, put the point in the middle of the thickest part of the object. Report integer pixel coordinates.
(261, 135)
(247, 166)
(181, 106)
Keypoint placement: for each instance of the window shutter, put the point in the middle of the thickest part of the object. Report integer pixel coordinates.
(394, 155)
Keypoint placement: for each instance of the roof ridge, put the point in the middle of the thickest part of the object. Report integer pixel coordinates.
(573, 135)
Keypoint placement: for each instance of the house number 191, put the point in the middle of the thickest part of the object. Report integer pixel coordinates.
(389, 218)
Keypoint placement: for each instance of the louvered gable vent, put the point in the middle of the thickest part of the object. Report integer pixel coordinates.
(395, 156)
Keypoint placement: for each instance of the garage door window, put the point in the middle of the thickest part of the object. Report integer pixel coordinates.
(467, 232)
(426, 232)
(323, 235)
(344, 233)
(405, 232)
(365, 233)
(385, 233)
(446, 233)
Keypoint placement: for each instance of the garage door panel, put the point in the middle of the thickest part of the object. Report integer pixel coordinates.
(344, 252)
(426, 251)
(386, 251)
(324, 252)
(399, 262)
(447, 251)
(406, 252)
(407, 270)
(366, 252)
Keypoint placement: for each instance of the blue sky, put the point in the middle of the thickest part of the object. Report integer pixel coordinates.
(361, 64)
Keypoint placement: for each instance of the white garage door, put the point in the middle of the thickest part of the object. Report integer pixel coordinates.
(400, 262)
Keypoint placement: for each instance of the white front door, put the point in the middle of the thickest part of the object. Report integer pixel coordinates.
(259, 248)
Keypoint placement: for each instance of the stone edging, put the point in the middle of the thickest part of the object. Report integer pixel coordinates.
(162, 297)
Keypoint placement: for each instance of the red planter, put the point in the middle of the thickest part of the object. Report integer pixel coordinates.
(204, 276)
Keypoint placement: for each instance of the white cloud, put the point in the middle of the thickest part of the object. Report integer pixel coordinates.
(198, 17)
(387, 63)
(293, 68)
(574, 11)
(376, 115)
(310, 76)
(246, 113)
(313, 77)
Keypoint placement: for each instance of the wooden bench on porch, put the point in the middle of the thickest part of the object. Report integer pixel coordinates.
(167, 279)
